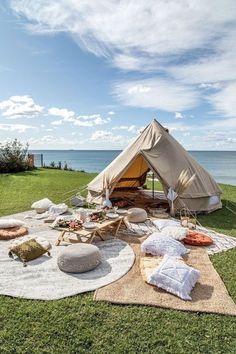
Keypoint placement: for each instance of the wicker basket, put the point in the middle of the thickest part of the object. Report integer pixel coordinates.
(159, 213)
(187, 218)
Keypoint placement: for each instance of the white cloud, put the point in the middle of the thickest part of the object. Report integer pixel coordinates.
(82, 123)
(99, 120)
(105, 136)
(128, 27)
(177, 127)
(89, 117)
(47, 138)
(157, 93)
(191, 43)
(127, 62)
(90, 121)
(178, 115)
(217, 64)
(140, 88)
(220, 139)
(129, 128)
(20, 106)
(57, 122)
(207, 70)
(111, 113)
(227, 124)
(220, 136)
(213, 85)
(61, 112)
(52, 141)
(81, 120)
(138, 62)
(224, 101)
(20, 128)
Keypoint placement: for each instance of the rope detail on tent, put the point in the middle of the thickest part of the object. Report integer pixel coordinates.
(183, 183)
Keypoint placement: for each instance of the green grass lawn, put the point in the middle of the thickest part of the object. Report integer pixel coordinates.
(20, 190)
(80, 325)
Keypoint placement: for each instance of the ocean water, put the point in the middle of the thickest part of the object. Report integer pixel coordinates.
(220, 164)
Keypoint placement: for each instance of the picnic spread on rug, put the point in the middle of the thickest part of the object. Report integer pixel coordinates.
(88, 252)
(130, 244)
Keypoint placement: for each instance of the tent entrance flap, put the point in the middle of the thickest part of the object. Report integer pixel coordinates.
(135, 175)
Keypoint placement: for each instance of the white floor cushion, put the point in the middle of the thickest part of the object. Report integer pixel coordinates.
(161, 223)
(176, 232)
(160, 245)
(7, 223)
(58, 209)
(42, 204)
(175, 277)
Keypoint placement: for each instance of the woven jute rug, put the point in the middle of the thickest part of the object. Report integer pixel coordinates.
(209, 295)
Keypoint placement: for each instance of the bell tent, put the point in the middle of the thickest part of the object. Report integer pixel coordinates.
(157, 151)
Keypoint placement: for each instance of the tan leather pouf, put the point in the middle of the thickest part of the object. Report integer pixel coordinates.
(137, 215)
(13, 232)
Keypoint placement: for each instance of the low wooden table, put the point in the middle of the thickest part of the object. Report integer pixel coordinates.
(90, 234)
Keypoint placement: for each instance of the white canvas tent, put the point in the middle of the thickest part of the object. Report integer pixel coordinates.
(156, 150)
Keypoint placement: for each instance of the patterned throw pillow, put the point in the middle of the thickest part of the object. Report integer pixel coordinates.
(175, 277)
(162, 223)
(28, 250)
(160, 245)
(176, 232)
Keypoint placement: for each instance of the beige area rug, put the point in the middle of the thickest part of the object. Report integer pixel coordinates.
(209, 295)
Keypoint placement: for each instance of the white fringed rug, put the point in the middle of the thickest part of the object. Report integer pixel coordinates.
(221, 242)
(43, 280)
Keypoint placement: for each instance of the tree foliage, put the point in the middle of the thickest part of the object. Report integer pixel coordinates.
(13, 157)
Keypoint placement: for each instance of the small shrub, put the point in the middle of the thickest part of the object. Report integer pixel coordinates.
(52, 164)
(13, 157)
(58, 166)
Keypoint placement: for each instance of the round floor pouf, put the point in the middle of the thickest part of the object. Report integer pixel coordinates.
(79, 258)
(13, 232)
(137, 215)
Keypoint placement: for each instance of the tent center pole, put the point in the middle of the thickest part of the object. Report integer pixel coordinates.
(153, 185)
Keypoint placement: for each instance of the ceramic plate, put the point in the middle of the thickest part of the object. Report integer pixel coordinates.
(121, 211)
(89, 225)
(112, 215)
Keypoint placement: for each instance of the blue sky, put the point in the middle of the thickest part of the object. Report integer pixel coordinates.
(91, 75)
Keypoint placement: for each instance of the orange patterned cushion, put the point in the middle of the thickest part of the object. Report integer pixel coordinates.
(195, 238)
(13, 232)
